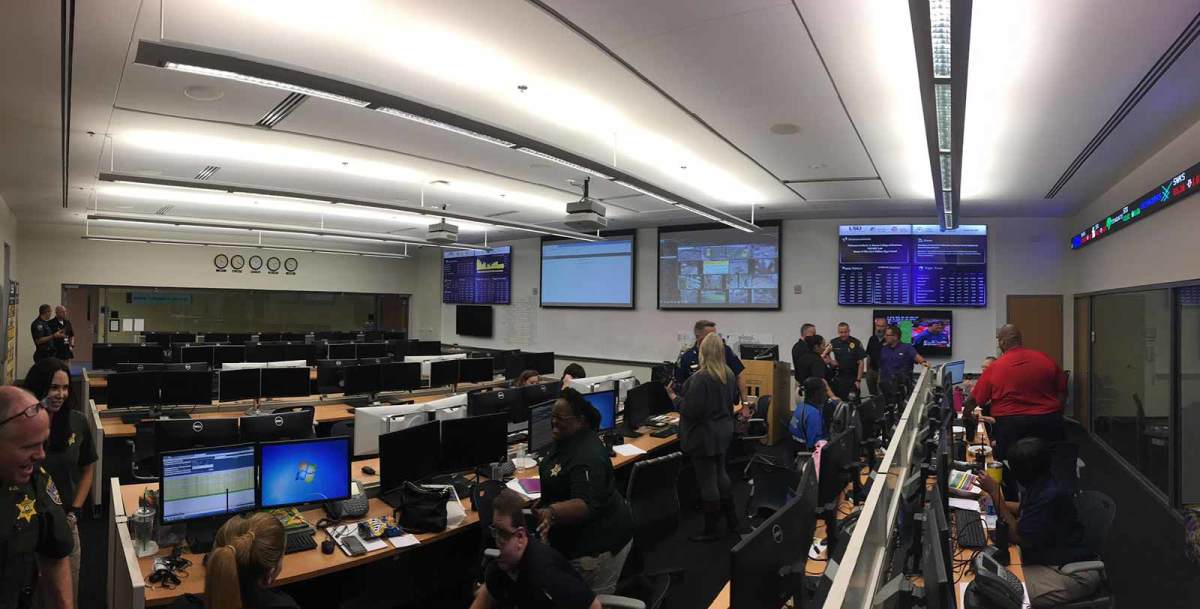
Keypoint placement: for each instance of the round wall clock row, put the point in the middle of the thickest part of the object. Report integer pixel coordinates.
(237, 263)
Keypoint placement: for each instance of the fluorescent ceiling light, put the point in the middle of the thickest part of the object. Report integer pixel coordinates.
(263, 82)
(939, 29)
(944, 161)
(646, 192)
(745, 227)
(941, 105)
(446, 126)
(542, 155)
(236, 245)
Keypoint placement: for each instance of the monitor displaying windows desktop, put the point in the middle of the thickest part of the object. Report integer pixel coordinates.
(304, 471)
(606, 403)
(206, 482)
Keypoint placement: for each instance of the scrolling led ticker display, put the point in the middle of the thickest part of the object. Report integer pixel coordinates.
(1178, 187)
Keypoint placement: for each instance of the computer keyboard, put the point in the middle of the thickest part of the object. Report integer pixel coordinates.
(299, 541)
(969, 527)
(666, 432)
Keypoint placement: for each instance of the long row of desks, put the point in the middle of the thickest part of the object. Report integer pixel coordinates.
(128, 586)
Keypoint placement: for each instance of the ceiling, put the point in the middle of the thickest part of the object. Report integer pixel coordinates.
(783, 109)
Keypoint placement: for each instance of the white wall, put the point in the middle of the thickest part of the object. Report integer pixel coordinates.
(1026, 257)
(56, 256)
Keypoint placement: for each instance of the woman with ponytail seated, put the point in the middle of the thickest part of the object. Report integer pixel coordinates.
(246, 558)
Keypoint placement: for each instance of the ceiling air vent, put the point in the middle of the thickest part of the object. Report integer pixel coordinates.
(282, 111)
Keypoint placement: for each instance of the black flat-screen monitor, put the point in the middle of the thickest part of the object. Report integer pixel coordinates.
(342, 351)
(499, 401)
(443, 373)
(408, 455)
(713, 266)
(300, 351)
(329, 374)
(303, 471)
(196, 366)
(187, 387)
(653, 395)
(239, 338)
(912, 265)
(179, 338)
(296, 425)
(473, 441)
(835, 457)
(473, 320)
(475, 370)
(362, 379)
(424, 347)
(929, 331)
(265, 352)
(234, 385)
(400, 376)
(541, 435)
(395, 335)
(533, 395)
(363, 350)
(285, 382)
(293, 337)
(223, 354)
(103, 356)
(936, 568)
(270, 336)
(156, 338)
(636, 410)
(216, 337)
(178, 434)
(134, 367)
(186, 353)
(477, 276)
(133, 388)
(781, 541)
(145, 354)
(206, 482)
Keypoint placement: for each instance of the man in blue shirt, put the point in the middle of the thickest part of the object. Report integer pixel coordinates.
(689, 361)
(933, 335)
(808, 425)
(896, 360)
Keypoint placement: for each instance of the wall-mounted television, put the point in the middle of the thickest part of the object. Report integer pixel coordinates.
(474, 320)
(477, 276)
(930, 331)
(717, 267)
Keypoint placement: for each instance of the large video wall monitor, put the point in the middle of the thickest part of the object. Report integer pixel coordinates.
(608, 266)
(716, 267)
(1178, 187)
(477, 276)
(912, 265)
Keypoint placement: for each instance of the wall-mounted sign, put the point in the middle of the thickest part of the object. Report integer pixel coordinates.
(1174, 189)
(151, 298)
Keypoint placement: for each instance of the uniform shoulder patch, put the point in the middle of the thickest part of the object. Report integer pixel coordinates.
(52, 491)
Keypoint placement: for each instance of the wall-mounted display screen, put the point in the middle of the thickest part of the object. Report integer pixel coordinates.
(474, 320)
(477, 276)
(921, 265)
(929, 331)
(703, 267)
(588, 274)
(1178, 187)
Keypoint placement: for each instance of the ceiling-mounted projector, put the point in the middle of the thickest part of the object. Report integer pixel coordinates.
(442, 233)
(586, 214)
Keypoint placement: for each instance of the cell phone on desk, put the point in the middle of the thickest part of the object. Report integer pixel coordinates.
(352, 545)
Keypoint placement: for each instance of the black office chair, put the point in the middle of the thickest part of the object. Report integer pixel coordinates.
(770, 484)
(653, 497)
(1064, 464)
(754, 431)
(282, 409)
(342, 428)
(1096, 511)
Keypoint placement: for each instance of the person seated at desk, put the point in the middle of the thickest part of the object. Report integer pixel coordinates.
(581, 513)
(246, 558)
(572, 371)
(527, 378)
(808, 425)
(1045, 525)
(528, 574)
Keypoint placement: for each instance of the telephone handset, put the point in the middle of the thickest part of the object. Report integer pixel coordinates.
(354, 507)
(994, 584)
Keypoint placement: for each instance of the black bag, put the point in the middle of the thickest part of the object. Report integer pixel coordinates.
(422, 509)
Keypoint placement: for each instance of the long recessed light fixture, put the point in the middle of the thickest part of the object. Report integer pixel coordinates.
(220, 64)
(728, 220)
(281, 229)
(131, 178)
(942, 41)
(236, 245)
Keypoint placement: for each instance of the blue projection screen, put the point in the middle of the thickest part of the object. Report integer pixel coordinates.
(588, 274)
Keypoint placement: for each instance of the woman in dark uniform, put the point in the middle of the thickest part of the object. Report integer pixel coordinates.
(70, 452)
(581, 513)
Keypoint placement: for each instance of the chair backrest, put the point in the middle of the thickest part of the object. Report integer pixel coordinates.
(1096, 512)
(653, 496)
(342, 428)
(773, 484)
(292, 409)
(1063, 464)
(763, 407)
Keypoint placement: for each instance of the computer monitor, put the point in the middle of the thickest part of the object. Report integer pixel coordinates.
(329, 374)
(400, 376)
(223, 354)
(536, 394)
(102, 356)
(136, 367)
(206, 482)
(835, 457)
(293, 337)
(424, 347)
(408, 455)
(187, 353)
(375, 360)
(270, 336)
(475, 370)
(395, 335)
(780, 542)
(473, 441)
(300, 351)
(371, 350)
(303, 471)
(371, 421)
(936, 569)
(239, 338)
(264, 352)
(234, 385)
(216, 337)
(499, 401)
(187, 366)
(372, 337)
(133, 389)
(606, 403)
(443, 373)
(543, 362)
(285, 382)
(650, 398)
(296, 425)
(541, 436)
(362, 379)
(342, 351)
(156, 338)
(637, 409)
(179, 434)
(956, 370)
(187, 387)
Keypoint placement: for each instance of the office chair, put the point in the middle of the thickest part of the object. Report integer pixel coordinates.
(1096, 511)
(654, 503)
(1064, 464)
(342, 428)
(770, 485)
(755, 432)
(143, 464)
(283, 409)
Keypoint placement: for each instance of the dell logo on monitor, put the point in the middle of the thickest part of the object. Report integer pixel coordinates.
(279, 421)
(197, 426)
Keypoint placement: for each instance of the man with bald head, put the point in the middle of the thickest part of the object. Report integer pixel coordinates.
(1026, 390)
(35, 538)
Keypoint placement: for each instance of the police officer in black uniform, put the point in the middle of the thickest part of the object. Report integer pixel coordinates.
(63, 347)
(848, 353)
(35, 539)
(689, 361)
(44, 334)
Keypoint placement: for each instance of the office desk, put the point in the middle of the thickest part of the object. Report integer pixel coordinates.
(101, 382)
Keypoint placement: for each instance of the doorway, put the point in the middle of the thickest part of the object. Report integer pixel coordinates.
(1040, 319)
(83, 309)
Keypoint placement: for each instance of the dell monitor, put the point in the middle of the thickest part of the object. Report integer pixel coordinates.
(264, 352)
(542, 362)
(180, 434)
(293, 337)
(285, 382)
(297, 425)
(239, 338)
(500, 401)
(761, 561)
(144, 354)
(223, 354)
(206, 482)
(475, 370)
(181, 338)
(637, 410)
(303, 471)
(541, 436)
(371, 350)
(157, 338)
(408, 455)
(473, 441)
(400, 376)
(300, 351)
(187, 387)
(342, 351)
(329, 374)
(197, 354)
(216, 337)
(270, 336)
(956, 370)
(424, 347)
(133, 389)
(606, 403)
(234, 385)
(443, 373)
(362, 379)
(136, 367)
(102, 356)
(533, 395)
(936, 568)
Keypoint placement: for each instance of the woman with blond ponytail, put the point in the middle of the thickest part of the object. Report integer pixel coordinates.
(246, 557)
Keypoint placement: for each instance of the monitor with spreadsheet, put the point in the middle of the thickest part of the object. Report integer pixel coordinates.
(206, 482)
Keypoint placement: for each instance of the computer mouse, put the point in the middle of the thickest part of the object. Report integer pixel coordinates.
(368, 470)
(328, 546)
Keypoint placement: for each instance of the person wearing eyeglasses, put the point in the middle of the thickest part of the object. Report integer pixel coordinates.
(35, 539)
(528, 574)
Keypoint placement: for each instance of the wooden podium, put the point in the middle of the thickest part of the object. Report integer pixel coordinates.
(773, 379)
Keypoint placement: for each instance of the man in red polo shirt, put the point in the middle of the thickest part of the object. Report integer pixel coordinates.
(1026, 390)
